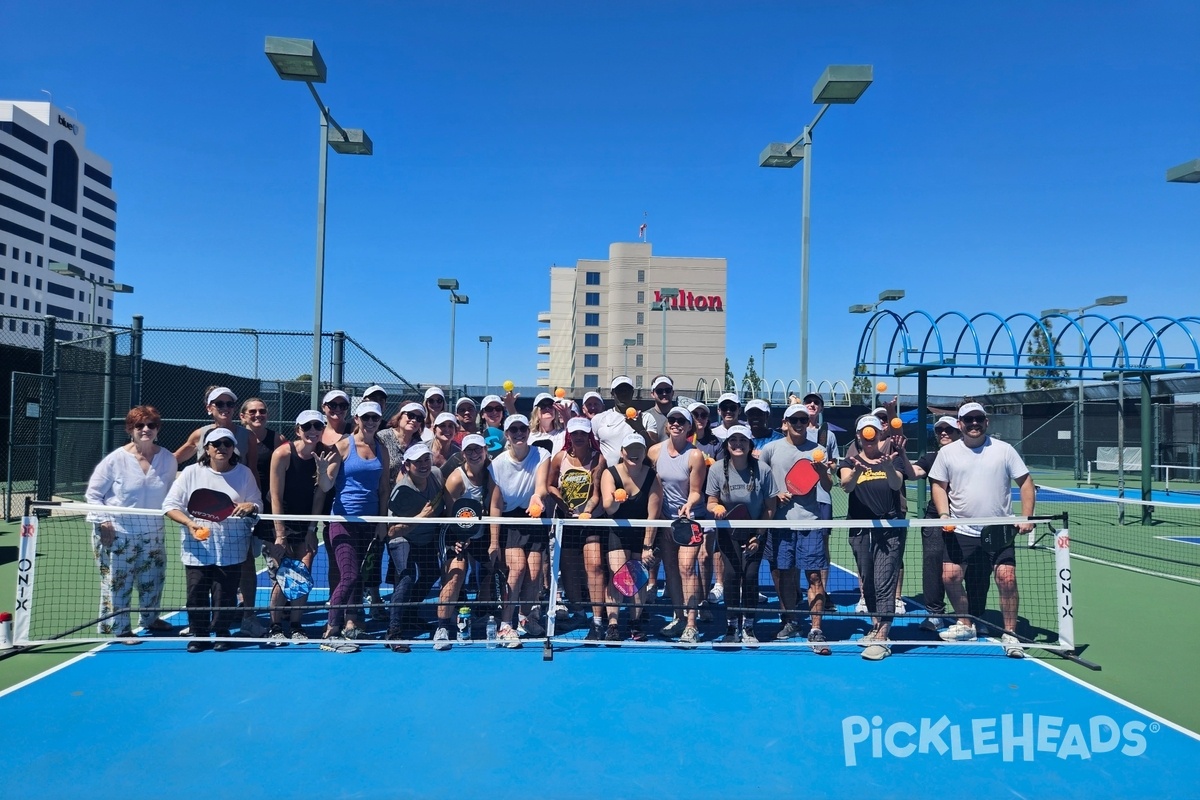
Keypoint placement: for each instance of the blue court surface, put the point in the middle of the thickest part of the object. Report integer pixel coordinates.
(156, 721)
(1105, 494)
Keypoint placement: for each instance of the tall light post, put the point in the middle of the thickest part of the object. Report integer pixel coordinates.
(76, 272)
(1107, 300)
(839, 84)
(299, 60)
(1188, 172)
(487, 364)
(662, 305)
(451, 285)
(254, 333)
(628, 344)
(871, 308)
(763, 367)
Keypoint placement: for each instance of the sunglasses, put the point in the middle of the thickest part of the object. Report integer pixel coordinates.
(698, 414)
(797, 420)
(664, 392)
(339, 406)
(256, 412)
(435, 400)
(147, 425)
(974, 419)
(370, 418)
(676, 421)
(414, 415)
(518, 429)
(474, 451)
(314, 424)
(494, 410)
(737, 441)
(944, 431)
(224, 404)
(726, 407)
(221, 443)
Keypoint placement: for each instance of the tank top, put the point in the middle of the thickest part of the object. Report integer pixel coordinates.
(637, 506)
(516, 479)
(575, 484)
(479, 493)
(299, 485)
(673, 472)
(263, 468)
(358, 483)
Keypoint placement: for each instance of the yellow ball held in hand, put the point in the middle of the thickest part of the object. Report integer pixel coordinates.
(200, 534)
(631, 413)
(620, 495)
(560, 392)
(868, 433)
(508, 386)
(896, 423)
(881, 387)
(818, 455)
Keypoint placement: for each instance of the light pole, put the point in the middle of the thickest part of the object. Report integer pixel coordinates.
(628, 344)
(662, 305)
(1188, 172)
(77, 272)
(1107, 300)
(451, 285)
(299, 60)
(839, 84)
(763, 366)
(487, 364)
(254, 333)
(871, 308)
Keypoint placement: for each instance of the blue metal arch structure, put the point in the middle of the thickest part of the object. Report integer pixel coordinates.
(977, 346)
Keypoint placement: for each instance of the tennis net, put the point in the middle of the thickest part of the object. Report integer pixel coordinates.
(1156, 538)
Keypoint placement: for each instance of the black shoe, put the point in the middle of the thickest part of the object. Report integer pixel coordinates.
(397, 647)
(636, 632)
(594, 634)
(221, 647)
(198, 646)
(612, 635)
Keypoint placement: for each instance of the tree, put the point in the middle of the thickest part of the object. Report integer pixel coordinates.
(750, 379)
(860, 389)
(1045, 375)
(730, 383)
(996, 384)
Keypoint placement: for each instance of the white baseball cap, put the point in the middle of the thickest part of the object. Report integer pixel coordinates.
(334, 394)
(661, 379)
(413, 408)
(868, 421)
(434, 391)
(579, 424)
(760, 405)
(217, 392)
(736, 429)
(728, 397)
(310, 416)
(415, 451)
(375, 389)
(491, 398)
(474, 438)
(462, 400)
(216, 434)
(678, 411)
(632, 440)
(537, 401)
(443, 418)
(368, 407)
(796, 409)
(621, 380)
(946, 420)
(592, 394)
(514, 419)
(969, 407)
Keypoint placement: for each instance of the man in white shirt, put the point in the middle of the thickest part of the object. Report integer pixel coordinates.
(610, 427)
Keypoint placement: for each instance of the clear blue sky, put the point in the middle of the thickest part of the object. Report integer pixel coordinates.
(1009, 157)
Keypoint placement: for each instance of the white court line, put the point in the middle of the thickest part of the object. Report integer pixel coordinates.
(53, 669)
(1133, 706)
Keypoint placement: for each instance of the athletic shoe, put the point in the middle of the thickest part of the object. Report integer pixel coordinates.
(354, 632)
(932, 623)
(748, 637)
(861, 606)
(717, 594)
(704, 614)
(594, 634)
(690, 636)
(299, 636)
(958, 633)
(728, 641)
(762, 598)
(816, 640)
(637, 632)
(378, 611)
(612, 634)
(395, 646)
(900, 607)
(509, 638)
(441, 639)
(674, 628)
(533, 627)
(277, 639)
(790, 630)
(185, 631)
(868, 637)
(198, 646)
(221, 647)
(878, 651)
(1012, 646)
(128, 637)
(252, 628)
(336, 644)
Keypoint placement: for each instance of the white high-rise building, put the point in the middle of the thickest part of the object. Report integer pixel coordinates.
(56, 205)
(596, 306)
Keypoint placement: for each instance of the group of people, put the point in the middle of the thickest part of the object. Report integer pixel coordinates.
(442, 468)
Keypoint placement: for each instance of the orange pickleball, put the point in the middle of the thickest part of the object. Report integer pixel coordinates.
(818, 455)
(881, 387)
(896, 423)
(620, 495)
(560, 392)
(631, 413)
(200, 534)
(868, 433)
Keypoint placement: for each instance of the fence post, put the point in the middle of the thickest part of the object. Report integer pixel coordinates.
(110, 389)
(338, 360)
(135, 363)
(48, 412)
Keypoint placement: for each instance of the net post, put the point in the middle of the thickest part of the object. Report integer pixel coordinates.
(1062, 575)
(26, 552)
(552, 608)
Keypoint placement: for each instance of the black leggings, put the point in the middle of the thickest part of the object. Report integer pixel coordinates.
(741, 577)
(414, 583)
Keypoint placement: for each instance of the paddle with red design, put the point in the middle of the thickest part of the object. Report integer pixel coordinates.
(631, 578)
(210, 505)
(801, 478)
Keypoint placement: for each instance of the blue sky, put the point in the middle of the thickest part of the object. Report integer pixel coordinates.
(1008, 157)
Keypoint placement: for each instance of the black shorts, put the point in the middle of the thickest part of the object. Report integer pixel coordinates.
(631, 538)
(530, 538)
(575, 536)
(961, 549)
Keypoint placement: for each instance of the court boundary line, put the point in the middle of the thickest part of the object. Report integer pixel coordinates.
(32, 679)
(1120, 700)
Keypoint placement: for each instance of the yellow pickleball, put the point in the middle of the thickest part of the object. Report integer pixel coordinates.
(508, 386)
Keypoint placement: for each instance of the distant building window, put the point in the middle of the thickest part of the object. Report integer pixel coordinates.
(592, 278)
(640, 359)
(38, 282)
(640, 340)
(39, 263)
(641, 297)
(64, 180)
(591, 381)
(641, 318)
(25, 304)
(591, 340)
(637, 381)
(591, 299)
(591, 320)
(591, 360)
(28, 260)
(26, 281)
(37, 308)
(24, 327)
(641, 276)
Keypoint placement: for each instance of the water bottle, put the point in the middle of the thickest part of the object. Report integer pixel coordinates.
(464, 624)
(491, 632)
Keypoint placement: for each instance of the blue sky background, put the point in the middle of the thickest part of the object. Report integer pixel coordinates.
(1008, 157)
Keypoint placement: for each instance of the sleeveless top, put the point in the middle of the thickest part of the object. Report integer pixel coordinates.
(575, 484)
(637, 506)
(516, 479)
(358, 483)
(299, 485)
(676, 483)
(480, 493)
(263, 468)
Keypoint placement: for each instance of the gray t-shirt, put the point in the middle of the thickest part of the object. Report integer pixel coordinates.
(734, 487)
(980, 479)
(780, 456)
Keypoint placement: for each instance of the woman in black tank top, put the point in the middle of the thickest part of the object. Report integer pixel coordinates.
(630, 490)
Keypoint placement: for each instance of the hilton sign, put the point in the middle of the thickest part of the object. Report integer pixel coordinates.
(686, 301)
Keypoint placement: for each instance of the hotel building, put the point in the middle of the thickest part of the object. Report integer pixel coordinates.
(597, 306)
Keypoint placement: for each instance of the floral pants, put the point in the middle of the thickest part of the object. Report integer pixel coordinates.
(132, 560)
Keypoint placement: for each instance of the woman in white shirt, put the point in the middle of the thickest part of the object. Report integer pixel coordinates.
(130, 549)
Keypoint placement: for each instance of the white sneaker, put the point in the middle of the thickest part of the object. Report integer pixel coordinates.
(441, 639)
(717, 594)
(1012, 646)
(900, 607)
(958, 633)
(861, 606)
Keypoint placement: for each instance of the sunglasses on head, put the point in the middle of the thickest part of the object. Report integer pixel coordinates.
(147, 425)
(224, 404)
(974, 419)
(221, 443)
(338, 406)
(313, 424)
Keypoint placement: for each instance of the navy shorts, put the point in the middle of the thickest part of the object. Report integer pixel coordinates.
(805, 550)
